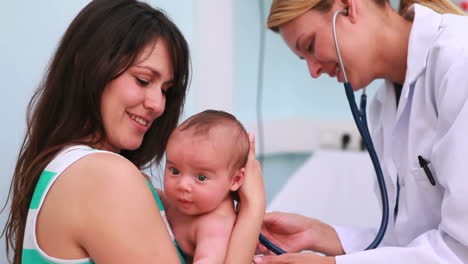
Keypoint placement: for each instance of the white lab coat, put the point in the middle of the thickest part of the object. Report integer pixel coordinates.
(431, 121)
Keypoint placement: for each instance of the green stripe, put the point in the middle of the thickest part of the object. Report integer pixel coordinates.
(41, 186)
(161, 207)
(32, 256)
(155, 194)
(179, 252)
(91, 149)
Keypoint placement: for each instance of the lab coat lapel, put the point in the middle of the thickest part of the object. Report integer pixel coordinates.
(385, 104)
(383, 108)
(427, 24)
(419, 45)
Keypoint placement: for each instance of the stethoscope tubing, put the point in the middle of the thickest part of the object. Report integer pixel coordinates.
(360, 118)
(361, 123)
(272, 247)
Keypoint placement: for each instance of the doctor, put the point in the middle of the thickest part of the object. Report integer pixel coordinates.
(418, 121)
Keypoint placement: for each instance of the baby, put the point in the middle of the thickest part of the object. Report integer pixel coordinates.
(205, 160)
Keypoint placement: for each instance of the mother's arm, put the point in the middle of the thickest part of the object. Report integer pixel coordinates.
(120, 221)
(251, 209)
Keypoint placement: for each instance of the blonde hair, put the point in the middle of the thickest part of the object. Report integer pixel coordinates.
(439, 6)
(283, 11)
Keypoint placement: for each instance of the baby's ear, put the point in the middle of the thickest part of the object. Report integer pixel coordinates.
(237, 180)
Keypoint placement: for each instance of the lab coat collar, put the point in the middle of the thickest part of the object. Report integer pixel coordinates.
(424, 30)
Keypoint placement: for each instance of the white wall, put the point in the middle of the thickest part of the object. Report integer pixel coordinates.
(213, 43)
(338, 187)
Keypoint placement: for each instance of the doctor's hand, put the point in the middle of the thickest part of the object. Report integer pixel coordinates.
(296, 233)
(295, 258)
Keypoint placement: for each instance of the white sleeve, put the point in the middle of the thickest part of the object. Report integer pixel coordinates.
(449, 242)
(354, 239)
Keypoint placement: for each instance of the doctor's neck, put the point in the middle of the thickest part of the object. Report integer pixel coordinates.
(392, 40)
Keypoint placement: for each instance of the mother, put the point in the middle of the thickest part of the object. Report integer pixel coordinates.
(112, 94)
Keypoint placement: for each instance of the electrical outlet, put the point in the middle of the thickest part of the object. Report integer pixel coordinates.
(339, 135)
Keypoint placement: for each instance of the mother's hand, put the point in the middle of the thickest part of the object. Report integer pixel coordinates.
(251, 209)
(252, 191)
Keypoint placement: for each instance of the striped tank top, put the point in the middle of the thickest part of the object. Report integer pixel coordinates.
(32, 253)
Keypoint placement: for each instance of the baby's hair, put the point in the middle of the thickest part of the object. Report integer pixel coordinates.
(202, 123)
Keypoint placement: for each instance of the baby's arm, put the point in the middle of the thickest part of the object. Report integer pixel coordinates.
(212, 239)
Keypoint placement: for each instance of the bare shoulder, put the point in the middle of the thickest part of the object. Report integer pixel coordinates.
(94, 176)
(99, 176)
(98, 183)
(111, 197)
(104, 166)
(106, 179)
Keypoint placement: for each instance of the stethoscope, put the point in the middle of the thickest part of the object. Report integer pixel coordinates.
(360, 118)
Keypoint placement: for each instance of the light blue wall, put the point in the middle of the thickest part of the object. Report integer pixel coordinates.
(288, 89)
(29, 32)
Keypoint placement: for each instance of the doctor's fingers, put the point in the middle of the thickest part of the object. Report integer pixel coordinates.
(294, 258)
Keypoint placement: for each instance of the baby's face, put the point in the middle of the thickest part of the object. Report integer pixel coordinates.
(197, 177)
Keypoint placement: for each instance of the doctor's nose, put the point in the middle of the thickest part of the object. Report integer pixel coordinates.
(155, 100)
(315, 67)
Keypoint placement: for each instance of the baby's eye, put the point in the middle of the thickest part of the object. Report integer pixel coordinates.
(202, 178)
(174, 171)
(141, 82)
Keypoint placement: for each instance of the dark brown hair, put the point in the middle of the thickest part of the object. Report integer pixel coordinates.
(203, 122)
(101, 43)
